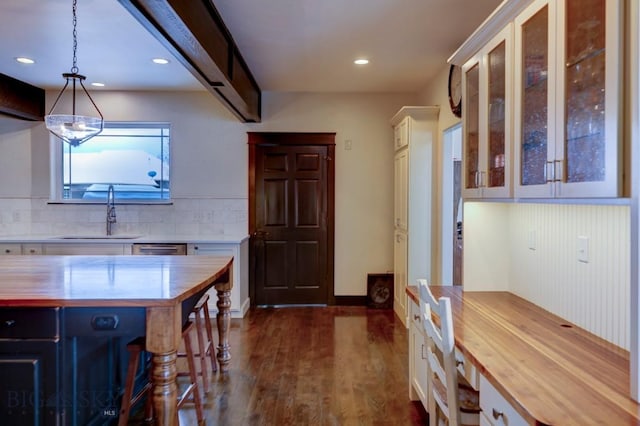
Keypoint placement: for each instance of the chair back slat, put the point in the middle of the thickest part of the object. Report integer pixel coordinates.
(441, 349)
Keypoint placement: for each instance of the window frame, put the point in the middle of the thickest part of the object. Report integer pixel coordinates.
(56, 192)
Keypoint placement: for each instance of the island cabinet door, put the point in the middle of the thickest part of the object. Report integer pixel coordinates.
(29, 387)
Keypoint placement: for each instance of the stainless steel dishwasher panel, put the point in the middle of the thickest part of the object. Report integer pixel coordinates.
(159, 249)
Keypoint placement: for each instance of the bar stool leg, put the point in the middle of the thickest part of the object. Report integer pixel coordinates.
(135, 348)
(193, 389)
(210, 350)
(201, 351)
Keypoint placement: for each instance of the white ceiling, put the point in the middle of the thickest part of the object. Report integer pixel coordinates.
(289, 45)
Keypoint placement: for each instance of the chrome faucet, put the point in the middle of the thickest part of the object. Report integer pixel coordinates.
(111, 208)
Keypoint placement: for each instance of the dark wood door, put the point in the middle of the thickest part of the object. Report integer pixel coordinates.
(291, 209)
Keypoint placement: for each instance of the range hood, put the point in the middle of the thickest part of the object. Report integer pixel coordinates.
(193, 31)
(20, 100)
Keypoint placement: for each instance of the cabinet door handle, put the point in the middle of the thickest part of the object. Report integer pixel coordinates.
(416, 317)
(422, 352)
(497, 414)
(10, 323)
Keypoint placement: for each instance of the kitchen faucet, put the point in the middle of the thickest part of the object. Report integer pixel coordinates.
(111, 208)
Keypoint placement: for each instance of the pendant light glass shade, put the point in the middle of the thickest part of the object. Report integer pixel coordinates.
(74, 128)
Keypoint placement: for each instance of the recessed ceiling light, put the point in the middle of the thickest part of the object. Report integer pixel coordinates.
(361, 61)
(161, 61)
(97, 84)
(24, 60)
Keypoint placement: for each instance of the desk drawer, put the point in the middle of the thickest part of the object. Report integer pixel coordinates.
(496, 409)
(29, 323)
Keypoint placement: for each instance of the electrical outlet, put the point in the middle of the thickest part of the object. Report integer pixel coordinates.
(347, 145)
(583, 249)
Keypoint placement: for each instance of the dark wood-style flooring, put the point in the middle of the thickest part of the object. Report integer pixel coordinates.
(314, 366)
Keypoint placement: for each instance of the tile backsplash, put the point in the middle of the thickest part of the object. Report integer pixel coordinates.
(184, 217)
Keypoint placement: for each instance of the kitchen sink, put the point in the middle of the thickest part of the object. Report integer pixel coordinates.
(97, 237)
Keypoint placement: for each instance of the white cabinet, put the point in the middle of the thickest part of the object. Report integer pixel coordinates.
(86, 248)
(488, 100)
(568, 77)
(240, 291)
(10, 249)
(418, 365)
(415, 133)
(496, 409)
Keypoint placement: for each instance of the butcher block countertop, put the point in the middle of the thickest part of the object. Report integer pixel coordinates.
(551, 371)
(105, 280)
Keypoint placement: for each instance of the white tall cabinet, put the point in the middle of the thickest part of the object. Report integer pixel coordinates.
(415, 133)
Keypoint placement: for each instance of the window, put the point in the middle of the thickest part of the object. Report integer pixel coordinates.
(133, 157)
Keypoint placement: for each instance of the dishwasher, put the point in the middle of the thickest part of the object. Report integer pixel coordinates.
(159, 249)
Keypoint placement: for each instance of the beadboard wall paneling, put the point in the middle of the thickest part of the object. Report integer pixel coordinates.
(593, 295)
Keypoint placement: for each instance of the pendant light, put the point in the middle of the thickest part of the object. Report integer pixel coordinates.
(74, 128)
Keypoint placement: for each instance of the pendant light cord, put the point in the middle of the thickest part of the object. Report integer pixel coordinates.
(74, 68)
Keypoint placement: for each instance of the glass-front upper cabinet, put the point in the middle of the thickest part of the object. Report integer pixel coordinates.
(567, 91)
(487, 109)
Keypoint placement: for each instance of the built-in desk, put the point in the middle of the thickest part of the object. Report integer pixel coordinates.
(37, 291)
(548, 370)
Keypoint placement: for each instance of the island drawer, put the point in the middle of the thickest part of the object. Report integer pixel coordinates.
(104, 321)
(29, 323)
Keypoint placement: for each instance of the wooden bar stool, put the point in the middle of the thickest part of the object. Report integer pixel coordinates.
(206, 347)
(191, 392)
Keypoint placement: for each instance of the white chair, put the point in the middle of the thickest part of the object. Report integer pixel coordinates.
(450, 395)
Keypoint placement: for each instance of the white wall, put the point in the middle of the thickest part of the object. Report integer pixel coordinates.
(209, 172)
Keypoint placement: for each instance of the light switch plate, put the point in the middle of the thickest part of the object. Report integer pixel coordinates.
(583, 249)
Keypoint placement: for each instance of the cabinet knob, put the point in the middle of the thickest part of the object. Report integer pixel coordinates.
(32, 251)
(497, 414)
(7, 250)
(416, 317)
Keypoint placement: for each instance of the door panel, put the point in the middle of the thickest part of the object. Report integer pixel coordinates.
(289, 207)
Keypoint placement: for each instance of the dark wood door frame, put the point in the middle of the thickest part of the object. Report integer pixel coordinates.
(256, 139)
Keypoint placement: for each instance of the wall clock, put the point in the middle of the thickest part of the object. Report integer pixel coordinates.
(455, 90)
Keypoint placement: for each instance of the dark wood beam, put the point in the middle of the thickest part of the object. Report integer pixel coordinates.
(193, 31)
(21, 100)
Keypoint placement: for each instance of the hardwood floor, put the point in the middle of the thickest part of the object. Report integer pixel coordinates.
(314, 366)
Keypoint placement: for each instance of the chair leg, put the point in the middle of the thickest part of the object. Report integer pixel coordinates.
(125, 407)
(193, 388)
(135, 348)
(202, 351)
(210, 350)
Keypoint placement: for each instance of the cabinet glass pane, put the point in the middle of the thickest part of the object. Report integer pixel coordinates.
(585, 90)
(534, 98)
(496, 60)
(472, 77)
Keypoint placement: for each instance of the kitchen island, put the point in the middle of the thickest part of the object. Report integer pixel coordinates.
(42, 298)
